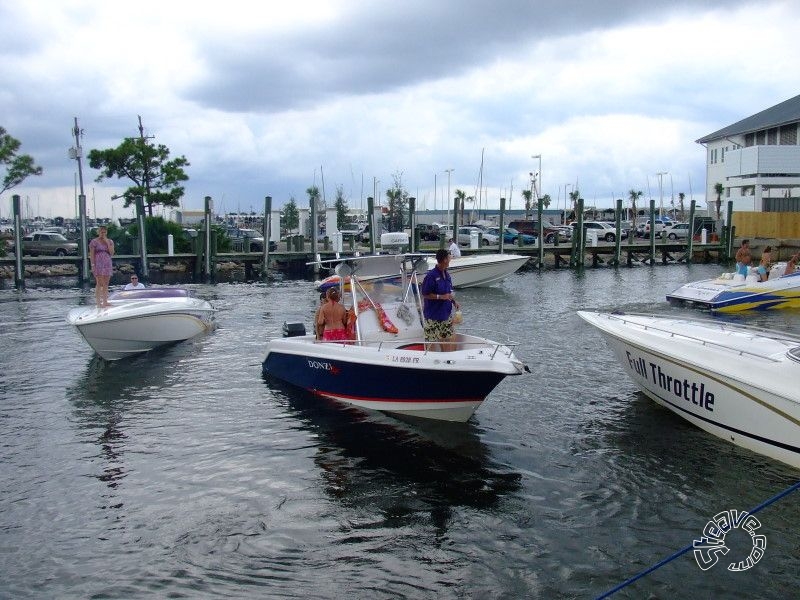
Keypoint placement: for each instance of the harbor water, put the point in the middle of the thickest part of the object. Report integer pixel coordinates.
(182, 473)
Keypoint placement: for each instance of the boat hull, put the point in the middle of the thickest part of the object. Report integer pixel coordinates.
(131, 328)
(475, 270)
(730, 383)
(437, 385)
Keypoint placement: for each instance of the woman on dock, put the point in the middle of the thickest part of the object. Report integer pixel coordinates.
(101, 249)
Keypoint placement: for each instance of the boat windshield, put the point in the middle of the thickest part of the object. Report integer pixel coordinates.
(794, 353)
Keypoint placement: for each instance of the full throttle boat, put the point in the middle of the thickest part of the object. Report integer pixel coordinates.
(731, 292)
(386, 364)
(140, 320)
(738, 383)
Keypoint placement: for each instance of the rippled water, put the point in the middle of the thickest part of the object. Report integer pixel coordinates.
(183, 473)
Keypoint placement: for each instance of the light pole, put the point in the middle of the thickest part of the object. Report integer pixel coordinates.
(539, 191)
(448, 171)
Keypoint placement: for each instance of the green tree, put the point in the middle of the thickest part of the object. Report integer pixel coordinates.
(461, 196)
(290, 218)
(634, 195)
(155, 177)
(397, 200)
(546, 200)
(681, 198)
(528, 195)
(18, 167)
(341, 207)
(575, 196)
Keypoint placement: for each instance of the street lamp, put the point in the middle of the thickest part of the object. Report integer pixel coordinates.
(448, 171)
(538, 192)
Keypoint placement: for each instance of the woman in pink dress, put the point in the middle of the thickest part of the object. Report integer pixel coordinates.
(101, 249)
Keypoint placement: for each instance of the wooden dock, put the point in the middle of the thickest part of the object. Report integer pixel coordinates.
(295, 261)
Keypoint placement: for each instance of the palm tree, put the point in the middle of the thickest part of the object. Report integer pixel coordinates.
(527, 194)
(575, 196)
(546, 200)
(461, 195)
(634, 195)
(681, 198)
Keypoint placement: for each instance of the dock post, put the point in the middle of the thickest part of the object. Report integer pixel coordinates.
(729, 254)
(412, 223)
(208, 207)
(652, 232)
(690, 241)
(371, 223)
(19, 271)
(618, 239)
(502, 223)
(267, 229)
(581, 235)
(539, 203)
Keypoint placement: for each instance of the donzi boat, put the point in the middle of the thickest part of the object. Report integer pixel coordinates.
(388, 365)
(739, 383)
(140, 320)
(474, 270)
(731, 292)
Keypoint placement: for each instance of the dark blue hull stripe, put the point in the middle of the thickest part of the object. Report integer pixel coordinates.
(380, 383)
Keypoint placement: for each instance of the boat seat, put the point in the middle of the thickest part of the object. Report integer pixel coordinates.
(371, 329)
(778, 270)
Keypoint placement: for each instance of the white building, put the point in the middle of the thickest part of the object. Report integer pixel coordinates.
(757, 161)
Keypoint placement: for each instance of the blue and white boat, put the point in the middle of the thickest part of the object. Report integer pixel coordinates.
(731, 292)
(388, 365)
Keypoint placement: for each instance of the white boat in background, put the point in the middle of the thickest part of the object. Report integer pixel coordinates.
(732, 293)
(474, 270)
(141, 320)
(386, 364)
(738, 383)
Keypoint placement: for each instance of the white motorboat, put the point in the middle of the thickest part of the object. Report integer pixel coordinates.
(474, 270)
(387, 365)
(140, 320)
(738, 383)
(731, 292)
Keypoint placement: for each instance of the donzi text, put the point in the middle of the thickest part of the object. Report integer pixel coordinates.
(690, 391)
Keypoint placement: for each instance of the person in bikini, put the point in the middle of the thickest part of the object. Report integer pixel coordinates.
(332, 318)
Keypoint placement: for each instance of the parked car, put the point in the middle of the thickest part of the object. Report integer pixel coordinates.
(255, 240)
(643, 230)
(465, 236)
(53, 244)
(511, 235)
(676, 231)
(532, 228)
(352, 230)
(428, 232)
(605, 230)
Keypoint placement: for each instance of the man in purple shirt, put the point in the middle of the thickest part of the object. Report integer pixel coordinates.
(437, 291)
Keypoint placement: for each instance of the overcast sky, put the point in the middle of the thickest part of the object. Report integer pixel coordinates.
(264, 97)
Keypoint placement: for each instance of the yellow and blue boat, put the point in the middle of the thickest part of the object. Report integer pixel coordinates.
(733, 293)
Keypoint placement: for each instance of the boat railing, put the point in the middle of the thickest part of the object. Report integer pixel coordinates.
(768, 333)
(415, 344)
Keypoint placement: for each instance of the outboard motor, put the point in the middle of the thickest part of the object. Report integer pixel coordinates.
(293, 329)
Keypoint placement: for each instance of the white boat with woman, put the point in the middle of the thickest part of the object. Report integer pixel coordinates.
(140, 320)
(386, 364)
(738, 383)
